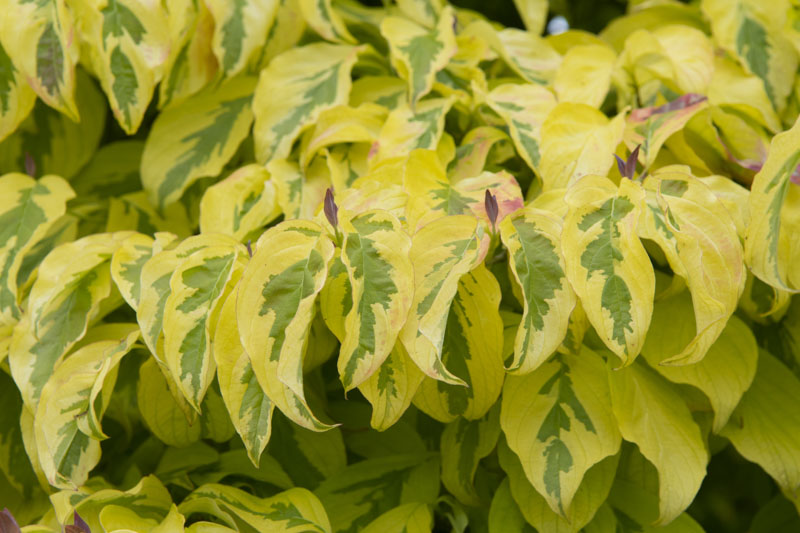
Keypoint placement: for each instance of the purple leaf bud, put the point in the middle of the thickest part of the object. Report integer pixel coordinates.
(621, 165)
(7, 522)
(249, 248)
(78, 521)
(630, 164)
(490, 203)
(330, 208)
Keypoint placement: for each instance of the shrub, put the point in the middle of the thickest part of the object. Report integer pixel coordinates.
(330, 267)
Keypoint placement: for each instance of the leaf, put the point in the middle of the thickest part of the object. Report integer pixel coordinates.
(726, 371)
(275, 307)
(191, 62)
(700, 241)
(320, 15)
(564, 429)
(464, 443)
(249, 408)
(471, 155)
(16, 96)
(112, 171)
(375, 253)
(406, 130)
(529, 56)
(67, 422)
(770, 247)
(441, 253)
(58, 144)
(577, 140)
(243, 202)
(342, 124)
(533, 240)
(533, 14)
(504, 513)
(523, 108)
(197, 286)
(298, 193)
(162, 414)
(391, 389)
(363, 491)
(73, 285)
(240, 31)
(28, 209)
(38, 37)
(407, 518)
(472, 349)
(293, 91)
(590, 496)
(754, 35)
(295, 510)
(418, 53)
(765, 425)
(650, 127)
(195, 138)
(134, 211)
(584, 76)
(15, 465)
(652, 414)
(127, 42)
(607, 265)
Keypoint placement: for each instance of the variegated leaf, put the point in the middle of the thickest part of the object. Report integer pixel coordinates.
(299, 193)
(441, 253)
(275, 307)
(591, 494)
(700, 241)
(295, 510)
(294, 89)
(652, 414)
(249, 408)
(127, 43)
(112, 171)
(134, 211)
(72, 289)
(651, 126)
(558, 420)
(425, 12)
(196, 288)
(375, 252)
(240, 31)
(523, 108)
(473, 153)
(728, 368)
(406, 130)
(533, 240)
(67, 423)
(772, 247)
(471, 352)
(16, 96)
(577, 140)
(342, 124)
(126, 266)
(28, 209)
(753, 33)
(191, 62)
(417, 52)
(287, 29)
(606, 263)
(325, 20)
(464, 443)
(240, 204)
(363, 491)
(38, 36)
(195, 138)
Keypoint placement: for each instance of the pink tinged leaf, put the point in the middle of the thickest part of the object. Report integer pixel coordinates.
(684, 102)
(7, 522)
(796, 176)
(492, 210)
(330, 208)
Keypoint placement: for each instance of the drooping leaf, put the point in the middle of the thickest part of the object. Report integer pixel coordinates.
(38, 36)
(325, 20)
(275, 306)
(28, 209)
(161, 412)
(16, 96)
(606, 263)
(559, 421)
(441, 252)
(195, 138)
(533, 240)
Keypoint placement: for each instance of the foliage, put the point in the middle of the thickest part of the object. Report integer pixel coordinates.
(329, 267)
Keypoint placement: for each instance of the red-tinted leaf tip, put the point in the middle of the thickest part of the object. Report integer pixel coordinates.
(30, 165)
(621, 165)
(490, 203)
(630, 164)
(7, 522)
(330, 208)
(79, 526)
